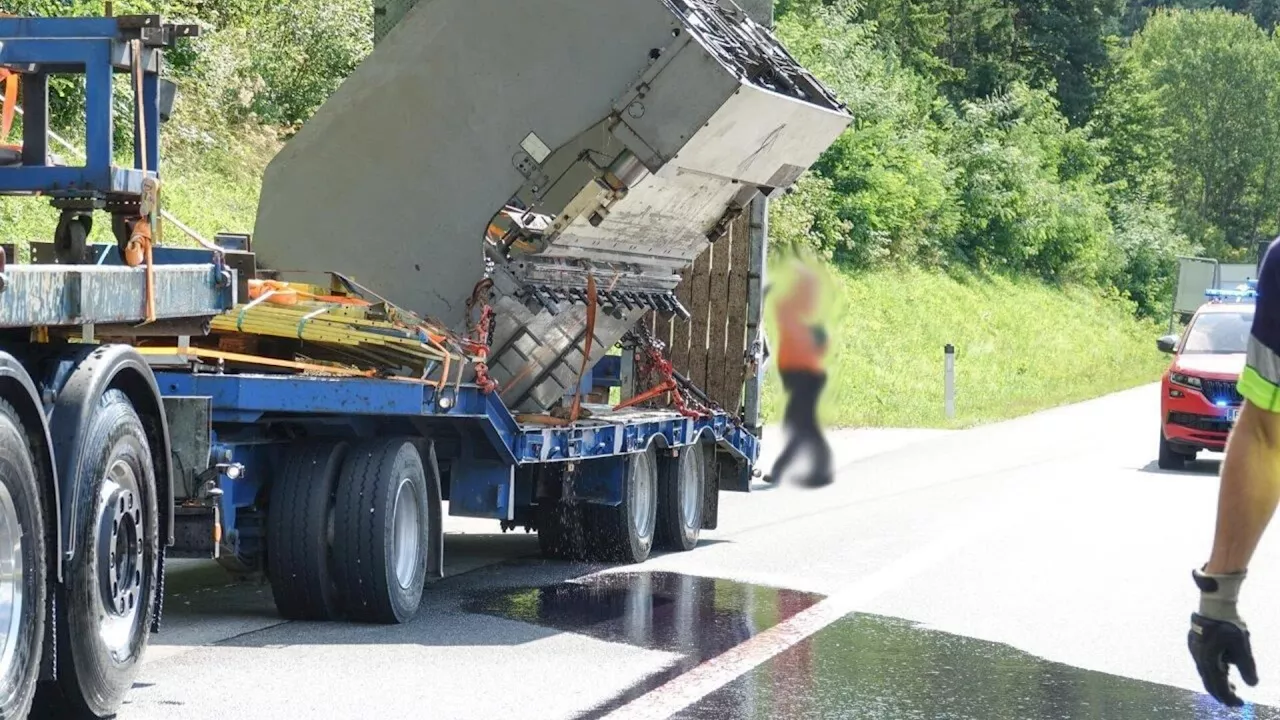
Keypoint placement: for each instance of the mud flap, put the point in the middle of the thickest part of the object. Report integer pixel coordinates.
(435, 512)
(711, 489)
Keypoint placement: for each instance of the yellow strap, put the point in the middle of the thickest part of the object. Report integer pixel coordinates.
(254, 360)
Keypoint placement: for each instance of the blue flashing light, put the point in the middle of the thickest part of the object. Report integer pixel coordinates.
(1244, 293)
(1221, 403)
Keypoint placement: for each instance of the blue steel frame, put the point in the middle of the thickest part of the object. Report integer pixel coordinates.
(38, 47)
(251, 398)
(484, 478)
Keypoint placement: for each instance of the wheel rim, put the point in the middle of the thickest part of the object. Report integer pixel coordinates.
(120, 558)
(11, 577)
(644, 493)
(691, 472)
(406, 533)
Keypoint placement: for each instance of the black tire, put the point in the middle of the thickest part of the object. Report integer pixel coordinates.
(21, 525)
(71, 237)
(625, 533)
(1169, 459)
(300, 560)
(561, 531)
(681, 496)
(373, 476)
(106, 607)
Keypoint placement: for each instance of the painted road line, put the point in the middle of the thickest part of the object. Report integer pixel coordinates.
(686, 690)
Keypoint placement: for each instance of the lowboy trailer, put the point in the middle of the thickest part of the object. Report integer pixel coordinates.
(221, 401)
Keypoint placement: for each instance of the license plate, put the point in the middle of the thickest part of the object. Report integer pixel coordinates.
(1233, 414)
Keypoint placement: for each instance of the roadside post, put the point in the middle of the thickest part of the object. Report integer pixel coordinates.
(949, 379)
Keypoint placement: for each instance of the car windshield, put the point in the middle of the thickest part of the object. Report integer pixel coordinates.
(1219, 333)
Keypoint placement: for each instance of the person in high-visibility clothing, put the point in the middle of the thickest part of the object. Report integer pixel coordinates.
(802, 344)
(1248, 495)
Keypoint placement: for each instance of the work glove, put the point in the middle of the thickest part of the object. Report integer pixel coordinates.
(1219, 637)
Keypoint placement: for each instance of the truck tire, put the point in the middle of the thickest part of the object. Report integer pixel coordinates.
(681, 495)
(300, 519)
(22, 562)
(625, 533)
(381, 530)
(107, 599)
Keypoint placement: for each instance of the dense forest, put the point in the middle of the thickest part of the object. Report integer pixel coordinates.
(1075, 141)
(1087, 141)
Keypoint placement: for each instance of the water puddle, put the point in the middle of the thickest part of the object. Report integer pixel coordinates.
(696, 617)
(867, 667)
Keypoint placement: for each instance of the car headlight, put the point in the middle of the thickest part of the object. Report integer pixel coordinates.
(1187, 380)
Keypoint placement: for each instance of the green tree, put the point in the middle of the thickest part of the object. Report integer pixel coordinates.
(1202, 88)
(887, 185)
(1066, 45)
(1030, 189)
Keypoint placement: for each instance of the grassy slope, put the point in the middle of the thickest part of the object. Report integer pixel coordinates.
(210, 190)
(1021, 347)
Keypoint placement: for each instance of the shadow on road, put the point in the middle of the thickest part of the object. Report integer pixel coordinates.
(204, 605)
(1196, 467)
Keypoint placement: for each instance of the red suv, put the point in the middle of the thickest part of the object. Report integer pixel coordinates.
(1199, 402)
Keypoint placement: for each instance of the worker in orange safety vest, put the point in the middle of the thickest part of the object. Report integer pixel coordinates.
(802, 345)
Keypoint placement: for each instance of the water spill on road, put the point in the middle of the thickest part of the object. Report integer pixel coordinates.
(696, 617)
(873, 668)
(863, 667)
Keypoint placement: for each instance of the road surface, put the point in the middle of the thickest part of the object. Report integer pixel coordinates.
(1034, 568)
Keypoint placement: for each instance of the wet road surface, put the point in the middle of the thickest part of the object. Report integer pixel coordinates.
(868, 667)
(1047, 559)
(863, 666)
(698, 618)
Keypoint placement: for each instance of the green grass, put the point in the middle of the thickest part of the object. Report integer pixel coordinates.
(1021, 346)
(210, 187)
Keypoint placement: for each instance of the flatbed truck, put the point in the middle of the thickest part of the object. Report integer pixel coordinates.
(127, 439)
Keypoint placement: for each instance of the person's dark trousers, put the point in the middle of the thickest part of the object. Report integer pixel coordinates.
(801, 421)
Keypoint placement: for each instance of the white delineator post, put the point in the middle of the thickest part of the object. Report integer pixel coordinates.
(949, 378)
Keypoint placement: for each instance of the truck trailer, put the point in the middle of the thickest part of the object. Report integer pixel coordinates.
(455, 263)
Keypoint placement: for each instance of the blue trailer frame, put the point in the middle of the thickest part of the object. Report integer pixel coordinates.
(480, 445)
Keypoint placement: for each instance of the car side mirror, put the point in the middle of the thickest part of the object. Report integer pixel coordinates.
(1167, 344)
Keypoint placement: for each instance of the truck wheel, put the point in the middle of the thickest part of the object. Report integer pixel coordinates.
(561, 531)
(1169, 459)
(108, 596)
(625, 533)
(300, 531)
(681, 483)
(380, 531)
(23, 573)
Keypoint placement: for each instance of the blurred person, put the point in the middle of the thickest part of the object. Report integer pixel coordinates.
(1248, 494)
(802, 343)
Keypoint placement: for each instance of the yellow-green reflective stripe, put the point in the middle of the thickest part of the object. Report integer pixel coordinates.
(1258, 390)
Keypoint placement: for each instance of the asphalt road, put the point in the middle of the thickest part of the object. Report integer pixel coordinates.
(1035, 568)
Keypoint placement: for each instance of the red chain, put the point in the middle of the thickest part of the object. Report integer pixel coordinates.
(656, 363)
(478, 342)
